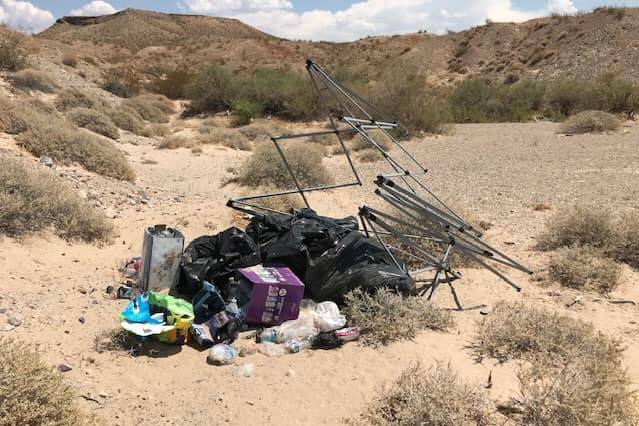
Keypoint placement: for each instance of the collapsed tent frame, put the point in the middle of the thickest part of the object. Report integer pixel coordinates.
(400, 189)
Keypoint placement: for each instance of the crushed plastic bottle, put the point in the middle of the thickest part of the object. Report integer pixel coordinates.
(222, 354)
(298, 345)
(271, 349)
(268, 336)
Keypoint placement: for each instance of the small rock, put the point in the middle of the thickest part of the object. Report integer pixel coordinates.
(290, 373)
(109, 213)
(46, 161)
(82, 290)
(246, 350)
(7, 327)
(82, 320)
(63, 368)
(103, 394)
(14, 319)
(82, 194)
(3, 310)
(144, 200)
(245, 370)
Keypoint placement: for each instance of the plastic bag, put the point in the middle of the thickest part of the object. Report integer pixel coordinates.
(328, 317)
(297, 329)
(222, 354)
(178, 313)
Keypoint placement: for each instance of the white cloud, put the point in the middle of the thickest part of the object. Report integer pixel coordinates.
(24, 16)
(368, 17)
(561, 6)
(95, 8)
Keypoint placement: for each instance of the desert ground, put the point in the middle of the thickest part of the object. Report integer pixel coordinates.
(499, 172)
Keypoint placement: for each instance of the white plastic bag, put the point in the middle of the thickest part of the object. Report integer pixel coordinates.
(329, 317)
(300, 328)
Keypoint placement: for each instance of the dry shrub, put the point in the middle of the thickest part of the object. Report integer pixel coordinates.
(95, 121)
(53, 136)
(156, 129)
(14, 116)
(435, 397)
(260, 128)
(32, 393)
(13, 54)
(359, 143)
(230, 138)
(174, 142)
(370, 155)
(114, 340)
(627, 248)
(70, 59)
(386, 317)
(153, 108)
(590, 122)
(578, 226)
(196, 150)
(31, 200)
(574, 375)
(584, 268)
(516, 330)
(266, 168)
(76, 98)
(282, 203)
(128, 119)
(30, 79)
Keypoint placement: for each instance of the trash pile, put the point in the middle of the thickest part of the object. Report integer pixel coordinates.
(281, 281)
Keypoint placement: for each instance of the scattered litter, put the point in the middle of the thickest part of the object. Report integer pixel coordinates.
(161, 255)
(271, 349)
(617, 301)
(14, 320)
(222, 354)
(63, 368)
(245, 370)
(46, 161)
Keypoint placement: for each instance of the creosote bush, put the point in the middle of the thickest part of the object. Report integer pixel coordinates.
(70, 59)
(32, 393)
(174, 142)
(437, 396)
(95, 121)
(386, 317)
(31, 200)
(76, 98)
(30, 79)
(627, 247)
(579, 226)
(13, 54)
(128, 119)
(584, 268)
(153, 108)
(266, 168)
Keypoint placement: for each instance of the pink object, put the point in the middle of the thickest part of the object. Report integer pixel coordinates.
(275, 297)
(347, 334)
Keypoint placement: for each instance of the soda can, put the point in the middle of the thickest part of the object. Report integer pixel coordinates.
(347, 334)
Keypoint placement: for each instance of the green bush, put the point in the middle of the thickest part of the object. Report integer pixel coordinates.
(95, 121)
(244, 111)
(153, 108)
(31, 200)
(173, 85)
(213, 89)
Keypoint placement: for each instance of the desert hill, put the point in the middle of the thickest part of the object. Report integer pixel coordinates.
(579, 46)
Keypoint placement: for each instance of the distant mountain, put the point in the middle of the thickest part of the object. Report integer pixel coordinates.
(580, 46)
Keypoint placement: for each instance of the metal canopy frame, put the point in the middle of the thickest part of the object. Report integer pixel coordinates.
(422, 215)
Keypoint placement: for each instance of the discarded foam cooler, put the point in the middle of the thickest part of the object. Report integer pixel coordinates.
(161, 255)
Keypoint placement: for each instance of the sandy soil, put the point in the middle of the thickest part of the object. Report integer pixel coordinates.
(500, 172)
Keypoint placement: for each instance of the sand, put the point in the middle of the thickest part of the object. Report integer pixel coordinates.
(498, 171)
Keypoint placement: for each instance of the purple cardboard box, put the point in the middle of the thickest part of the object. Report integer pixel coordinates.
(275, 297)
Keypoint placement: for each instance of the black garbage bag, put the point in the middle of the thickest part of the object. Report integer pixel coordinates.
(293, 240)
(214, 258)
(355, 262)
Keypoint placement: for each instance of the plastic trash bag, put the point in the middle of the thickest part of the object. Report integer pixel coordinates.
(329, 317)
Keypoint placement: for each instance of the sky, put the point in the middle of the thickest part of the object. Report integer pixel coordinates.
(331, 20)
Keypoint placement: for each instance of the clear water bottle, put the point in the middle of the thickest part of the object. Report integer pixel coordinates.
(268, 336)
(234, 310)
(298, 345)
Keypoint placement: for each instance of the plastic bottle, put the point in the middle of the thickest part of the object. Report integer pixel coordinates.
(232, 308)
(222, 354)
(268, 336)
(298, 345)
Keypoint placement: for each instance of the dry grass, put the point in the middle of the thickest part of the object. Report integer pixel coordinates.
(95, 121)
(75, 98)
(584, 268)
(261, 128)
(30, 79)
(229, 138)
(128, 119)
(51, 135)
(175, 142)
(266, 168)
(32, 393)
(590, 122)
(435, 397)
(153, 108)
(579, 226)
(627, 248)
(14, 116)
(283, 203)
(114, 340)
(387, 317)
(32, 200)
(156, 129)
(371, 155)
